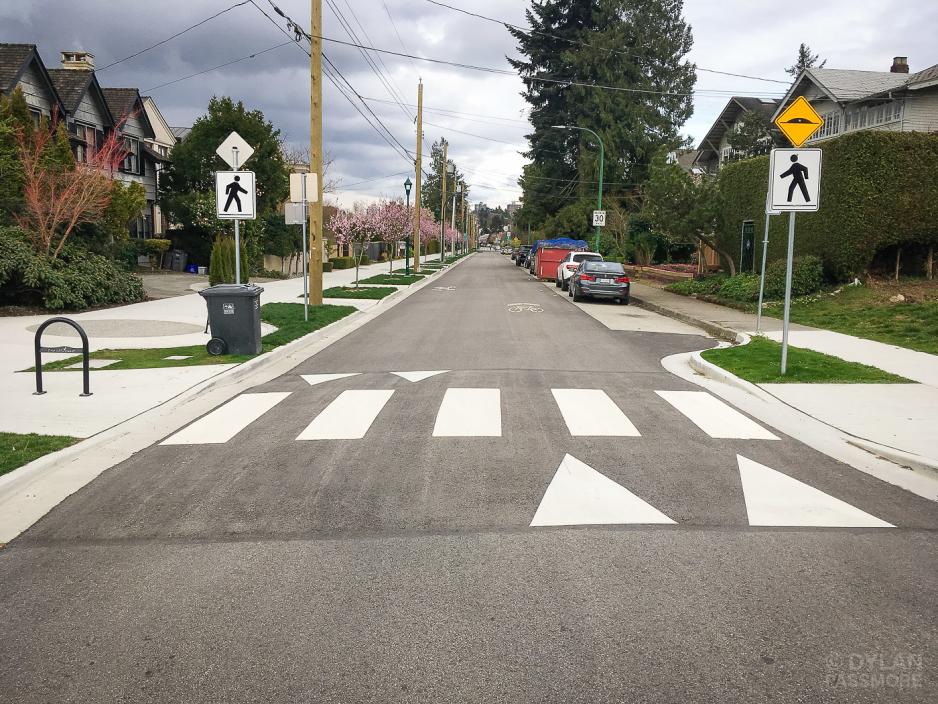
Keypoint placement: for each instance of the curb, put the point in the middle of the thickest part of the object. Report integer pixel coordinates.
(909, 460)
(712, 371)
(29, 492)
(718, 331)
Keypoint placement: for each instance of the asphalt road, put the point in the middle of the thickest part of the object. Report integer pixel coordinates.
(369, 538)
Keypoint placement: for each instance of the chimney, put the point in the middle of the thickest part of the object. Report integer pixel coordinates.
(78, 60)
(900, 64)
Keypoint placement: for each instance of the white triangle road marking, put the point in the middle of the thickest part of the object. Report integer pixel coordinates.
(775, 499)
(419, 376)
(313, 379)
(579, 495)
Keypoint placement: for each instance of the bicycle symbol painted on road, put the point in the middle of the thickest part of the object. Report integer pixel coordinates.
(524, 308)
(444, 288)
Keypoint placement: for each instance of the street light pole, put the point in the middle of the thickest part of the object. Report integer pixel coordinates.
(407, 185)
(602, 155)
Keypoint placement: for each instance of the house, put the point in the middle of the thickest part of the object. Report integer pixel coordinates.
(91, 113)
(715, 149)
(850, 100)
(160, 146)
(686, 160)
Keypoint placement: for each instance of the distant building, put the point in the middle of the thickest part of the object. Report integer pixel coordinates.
(512, 208)
(715, 149)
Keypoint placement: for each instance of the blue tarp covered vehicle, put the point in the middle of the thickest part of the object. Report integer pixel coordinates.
(563, 242)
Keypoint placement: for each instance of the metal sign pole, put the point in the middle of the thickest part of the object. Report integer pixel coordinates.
(305, 256)
(765, 249)
(791, 251)
(234, 158)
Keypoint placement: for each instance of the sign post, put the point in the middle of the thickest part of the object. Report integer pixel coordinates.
(765, 249)
(235, 151)
(301, 187)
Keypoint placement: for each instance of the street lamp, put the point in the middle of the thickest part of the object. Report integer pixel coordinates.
(599, 201)
(407, 185)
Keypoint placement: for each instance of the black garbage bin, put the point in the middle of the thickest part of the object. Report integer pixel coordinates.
(179, 260)
(234, 314)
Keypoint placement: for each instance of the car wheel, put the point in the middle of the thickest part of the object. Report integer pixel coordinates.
(565, 285)
(625, 301)
(570, 290)
(576, 296)
(557, 283)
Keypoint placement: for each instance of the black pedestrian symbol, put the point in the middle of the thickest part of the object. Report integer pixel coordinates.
(799, 174)
(233, 189)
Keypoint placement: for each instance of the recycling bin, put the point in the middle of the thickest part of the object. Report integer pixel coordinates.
(234, 314)
(179, 260)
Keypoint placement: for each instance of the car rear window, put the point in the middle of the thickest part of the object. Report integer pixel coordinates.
(587, 257)
(610, 267)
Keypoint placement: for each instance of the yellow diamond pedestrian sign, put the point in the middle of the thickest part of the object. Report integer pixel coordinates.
(799, 121)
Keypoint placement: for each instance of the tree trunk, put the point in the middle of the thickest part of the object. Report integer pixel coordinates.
(930, 263)
(726, 257)
(898, 258)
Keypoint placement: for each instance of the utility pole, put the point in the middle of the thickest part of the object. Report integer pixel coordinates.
(315, 151)
(419, 165)
(443, 204)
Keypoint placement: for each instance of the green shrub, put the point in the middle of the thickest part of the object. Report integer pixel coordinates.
(77, 279)
(433, 247)
(364, 260)
(154, 247)
(342, 262)
(707, 285)
(807, 276)
(326, 266)
(742, 287)
(221, 269)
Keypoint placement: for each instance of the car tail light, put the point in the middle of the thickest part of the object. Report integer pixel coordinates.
(587, 277)
(572, 267)
(622, 280)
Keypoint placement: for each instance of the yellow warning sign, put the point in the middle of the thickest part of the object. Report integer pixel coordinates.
(799, 121)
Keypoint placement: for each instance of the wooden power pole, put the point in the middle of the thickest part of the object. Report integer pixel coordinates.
(419, 165)
(315, 152)
(443, 204)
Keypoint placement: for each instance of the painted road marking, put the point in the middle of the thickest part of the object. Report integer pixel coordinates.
(715, 418)
(348, 417)
(592, 412)
(469, 413)
(225, 422)
(419, 376)
(775, 499)
(579, 495)
(313, 379)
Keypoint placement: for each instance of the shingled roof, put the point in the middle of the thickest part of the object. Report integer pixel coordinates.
(71, 85)
(12, 59)
(121, 101)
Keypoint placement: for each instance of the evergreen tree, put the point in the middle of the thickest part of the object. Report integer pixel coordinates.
(805, 60)
(635, 45)
(752, 136)
(432, 183)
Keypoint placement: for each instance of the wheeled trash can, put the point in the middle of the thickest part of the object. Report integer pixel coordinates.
(234, 315)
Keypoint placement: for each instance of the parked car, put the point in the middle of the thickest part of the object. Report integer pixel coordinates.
(570, 264)
(594, 279)
(522, 256)
(514, 253)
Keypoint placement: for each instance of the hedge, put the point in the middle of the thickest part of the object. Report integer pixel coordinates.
(326, 267)
(342, 262)
(878, 190)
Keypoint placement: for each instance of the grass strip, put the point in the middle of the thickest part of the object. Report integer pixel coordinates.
(369, 293)
(17, 450)
(758, 362)
(392, 279)
(286, 317)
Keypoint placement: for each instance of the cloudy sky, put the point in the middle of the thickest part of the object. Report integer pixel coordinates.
(481, 114)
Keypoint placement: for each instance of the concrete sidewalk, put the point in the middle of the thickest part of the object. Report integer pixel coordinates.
(121, 394)
(890, 417)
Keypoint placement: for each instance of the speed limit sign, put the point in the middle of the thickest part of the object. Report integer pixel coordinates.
(599, 218)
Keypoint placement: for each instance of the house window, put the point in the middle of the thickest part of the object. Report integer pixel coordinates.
(87, 136)
(131, 163)
(36, 116)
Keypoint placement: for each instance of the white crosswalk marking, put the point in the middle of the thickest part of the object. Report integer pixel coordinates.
(591, 412)
(469, 413)
(775, 499)
(715, 418)
(313, 379)
(348, 417)
(579, 495)
(226, 421)
(419, 376)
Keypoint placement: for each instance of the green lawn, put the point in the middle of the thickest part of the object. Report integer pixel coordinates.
(758, 362)
(286, 317)
(17, 450)
(366, 292)
(393, 279)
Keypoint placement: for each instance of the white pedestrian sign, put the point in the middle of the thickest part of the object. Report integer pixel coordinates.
(599, 218)
(235, 195)
(794, 180)
(234, 150)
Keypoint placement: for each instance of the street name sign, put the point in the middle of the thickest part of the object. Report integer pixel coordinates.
(799, 121)
(296, 187)
(234, 150)
(599, 218)
(235, 195)
(794, 180)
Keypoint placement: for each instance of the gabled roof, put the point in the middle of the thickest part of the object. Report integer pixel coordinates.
(14, 59)
(925, 78)
(71, 85)
(735, 107)
(180, 133)
(124, 102)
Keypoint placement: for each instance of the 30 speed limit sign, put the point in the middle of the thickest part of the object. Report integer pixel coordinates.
(599, 218)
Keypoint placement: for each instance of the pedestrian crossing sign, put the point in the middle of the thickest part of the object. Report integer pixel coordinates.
(235, 195)
(799, 121)
(794, 180)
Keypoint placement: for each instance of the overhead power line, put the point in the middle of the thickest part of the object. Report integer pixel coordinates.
(177, 34)
(215, 68)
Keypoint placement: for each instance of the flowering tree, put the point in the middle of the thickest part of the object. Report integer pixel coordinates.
(395, 222)
(429, 229)
(357, 227)
(58, 197)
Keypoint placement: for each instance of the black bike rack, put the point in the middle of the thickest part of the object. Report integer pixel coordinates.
(64, 349)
